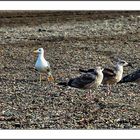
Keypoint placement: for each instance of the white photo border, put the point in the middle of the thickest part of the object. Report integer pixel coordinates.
(70, 5)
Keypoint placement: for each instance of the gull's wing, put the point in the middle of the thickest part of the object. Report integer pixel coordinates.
(108, 72)
(109, 76)
(83, 81)
(48, 64)
(86, 71)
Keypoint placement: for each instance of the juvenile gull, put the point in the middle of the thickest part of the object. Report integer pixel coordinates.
(111, 76)
(133, 77)
(86, 81)
(42, 65)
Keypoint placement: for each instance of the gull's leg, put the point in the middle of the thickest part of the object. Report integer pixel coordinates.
(40, 78)
(89, 95)
(109, 91)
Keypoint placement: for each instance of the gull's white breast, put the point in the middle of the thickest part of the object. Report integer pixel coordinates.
(119, 74)
(42, 65)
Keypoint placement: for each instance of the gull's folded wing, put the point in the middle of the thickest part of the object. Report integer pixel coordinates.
(83, 81)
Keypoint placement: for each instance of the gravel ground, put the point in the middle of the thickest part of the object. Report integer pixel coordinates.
(71, 40)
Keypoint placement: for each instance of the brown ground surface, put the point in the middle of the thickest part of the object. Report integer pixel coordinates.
(71, 40)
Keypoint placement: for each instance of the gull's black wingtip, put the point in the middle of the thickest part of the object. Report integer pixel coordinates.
(63, 84)
(82, 70)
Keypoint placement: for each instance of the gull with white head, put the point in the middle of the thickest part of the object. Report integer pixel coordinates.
(42, 65)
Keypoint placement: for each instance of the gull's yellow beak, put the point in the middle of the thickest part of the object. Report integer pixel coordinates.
(36, 51)
(50, 78)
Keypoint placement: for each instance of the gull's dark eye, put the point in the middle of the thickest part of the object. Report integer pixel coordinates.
(123, 62)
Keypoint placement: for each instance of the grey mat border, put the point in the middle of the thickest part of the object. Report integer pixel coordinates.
(72, 0)
(69, 139)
